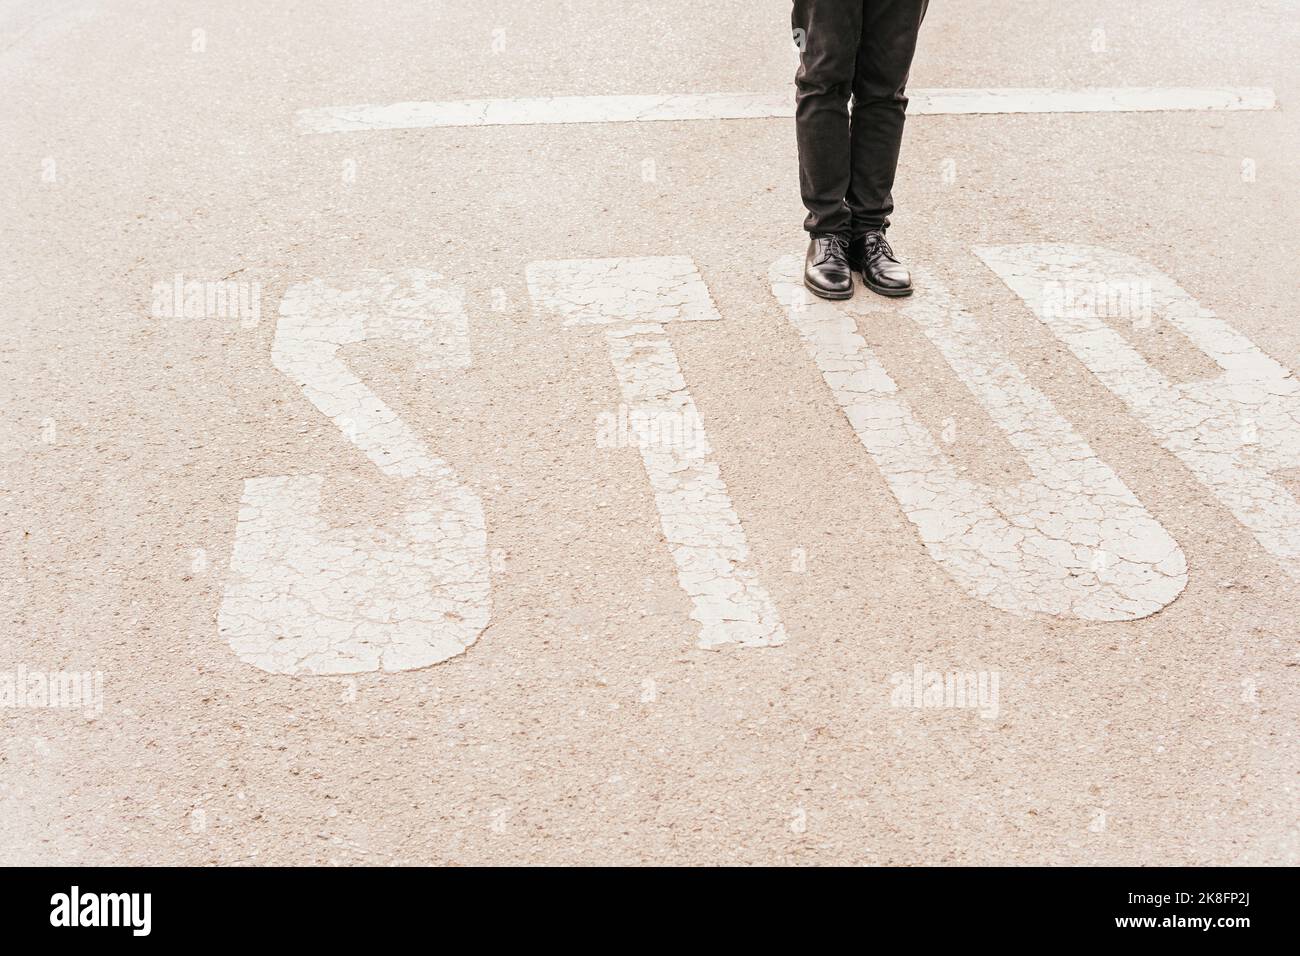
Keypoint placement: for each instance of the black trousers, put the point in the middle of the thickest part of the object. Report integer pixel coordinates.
(861, 48)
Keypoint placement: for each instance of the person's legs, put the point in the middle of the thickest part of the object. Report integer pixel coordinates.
(828, 32)
(884, 57)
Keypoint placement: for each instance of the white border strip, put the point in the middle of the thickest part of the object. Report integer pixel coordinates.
(718, 106)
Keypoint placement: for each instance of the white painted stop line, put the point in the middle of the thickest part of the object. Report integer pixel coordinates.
(547, 110)
(633, 298)
(1071, 541)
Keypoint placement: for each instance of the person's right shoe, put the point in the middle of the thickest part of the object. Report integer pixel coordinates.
(881, 272)
(826, 268)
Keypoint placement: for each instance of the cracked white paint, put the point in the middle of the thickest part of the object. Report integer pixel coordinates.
(1071, 541)
(780, 104)
(303, 597)
(633, 298)
(1233, 431)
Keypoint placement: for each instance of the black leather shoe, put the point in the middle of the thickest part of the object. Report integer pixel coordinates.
(826, 268)
(882, 273)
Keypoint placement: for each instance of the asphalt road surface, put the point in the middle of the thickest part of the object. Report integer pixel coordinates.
(473, 482)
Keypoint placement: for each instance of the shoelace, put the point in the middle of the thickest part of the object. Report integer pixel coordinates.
(835, 244)
(877, 245)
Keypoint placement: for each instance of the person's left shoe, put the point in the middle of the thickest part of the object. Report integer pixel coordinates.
(882, 273)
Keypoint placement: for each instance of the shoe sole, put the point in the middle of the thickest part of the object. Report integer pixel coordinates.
(822, 294)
